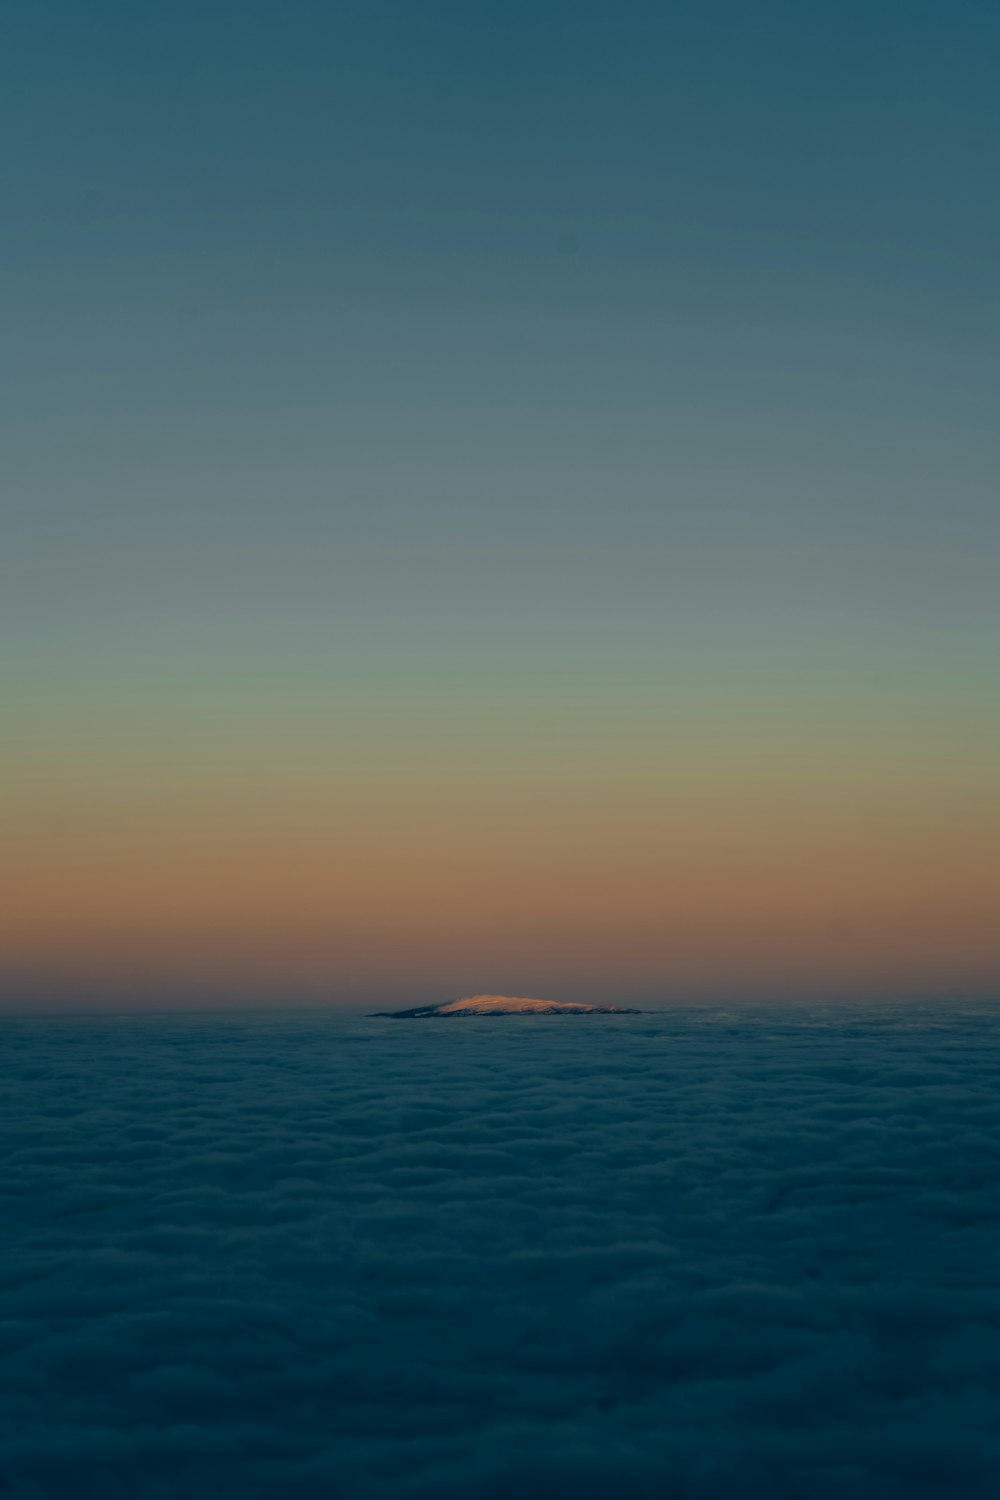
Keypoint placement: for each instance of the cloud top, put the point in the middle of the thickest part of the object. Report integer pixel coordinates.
(701, 1255)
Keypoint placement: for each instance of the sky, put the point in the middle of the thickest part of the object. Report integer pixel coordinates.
(499, 497)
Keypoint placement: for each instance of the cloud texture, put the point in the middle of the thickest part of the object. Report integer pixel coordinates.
(689, 1256)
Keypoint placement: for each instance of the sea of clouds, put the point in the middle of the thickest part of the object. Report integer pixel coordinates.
(692, 1256)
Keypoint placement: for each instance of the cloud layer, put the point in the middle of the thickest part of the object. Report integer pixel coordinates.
(688, 1256)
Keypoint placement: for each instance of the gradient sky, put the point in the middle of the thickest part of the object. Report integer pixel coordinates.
(499, 496)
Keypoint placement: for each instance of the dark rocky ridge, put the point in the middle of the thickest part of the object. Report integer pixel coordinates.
(503, 1005)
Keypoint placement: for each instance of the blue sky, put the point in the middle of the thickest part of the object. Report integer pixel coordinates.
(494, 348)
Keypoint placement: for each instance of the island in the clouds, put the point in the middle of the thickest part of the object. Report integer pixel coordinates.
(506, 1005)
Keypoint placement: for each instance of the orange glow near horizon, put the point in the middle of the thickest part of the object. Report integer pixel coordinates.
(684, 883)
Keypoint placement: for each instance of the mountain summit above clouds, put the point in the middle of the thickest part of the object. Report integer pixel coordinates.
(506, 1005)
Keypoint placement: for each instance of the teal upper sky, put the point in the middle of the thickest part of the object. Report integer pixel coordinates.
(630, 319)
